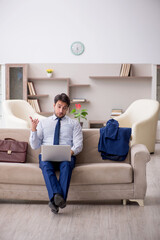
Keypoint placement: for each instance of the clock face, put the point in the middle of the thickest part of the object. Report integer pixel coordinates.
(77, 48)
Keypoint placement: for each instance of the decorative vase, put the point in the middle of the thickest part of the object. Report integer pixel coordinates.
(49, 75)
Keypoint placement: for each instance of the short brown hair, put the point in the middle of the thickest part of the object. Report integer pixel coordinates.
(62, 97)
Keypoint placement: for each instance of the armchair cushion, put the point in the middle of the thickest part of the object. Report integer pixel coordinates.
(142, 117)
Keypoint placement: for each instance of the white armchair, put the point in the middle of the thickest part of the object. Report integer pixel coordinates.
(142, 117)
(17, 112)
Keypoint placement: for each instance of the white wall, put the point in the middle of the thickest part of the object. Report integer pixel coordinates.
(113, 31)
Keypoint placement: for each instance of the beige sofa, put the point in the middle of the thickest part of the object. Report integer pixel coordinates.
(92, 179)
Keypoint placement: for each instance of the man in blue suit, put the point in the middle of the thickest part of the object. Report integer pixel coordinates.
(57, 129)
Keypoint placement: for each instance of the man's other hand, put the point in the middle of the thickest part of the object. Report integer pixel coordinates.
(72, 153)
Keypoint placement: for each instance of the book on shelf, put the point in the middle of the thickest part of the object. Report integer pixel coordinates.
(116, 112)
(78, 100)
(122, 70)
(125, 70)
(128, 69)
(31, 88)
(35, 104)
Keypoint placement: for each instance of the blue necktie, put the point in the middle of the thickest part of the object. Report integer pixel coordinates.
(57, 132)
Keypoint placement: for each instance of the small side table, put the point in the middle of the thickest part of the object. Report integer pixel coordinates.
(97, 123)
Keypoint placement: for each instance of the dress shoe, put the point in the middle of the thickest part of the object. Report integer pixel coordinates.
(54, 208)
(59, 200)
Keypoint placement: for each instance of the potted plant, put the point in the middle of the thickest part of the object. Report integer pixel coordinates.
(49, 72)
(79, 113)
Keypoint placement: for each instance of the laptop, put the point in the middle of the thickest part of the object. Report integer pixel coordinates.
(56, 153)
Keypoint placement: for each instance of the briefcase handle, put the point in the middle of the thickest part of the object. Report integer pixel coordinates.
(9, 139)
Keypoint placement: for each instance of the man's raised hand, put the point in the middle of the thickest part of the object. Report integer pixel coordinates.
(34, 123)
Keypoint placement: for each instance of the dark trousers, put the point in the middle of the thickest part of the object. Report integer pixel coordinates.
(54, 185)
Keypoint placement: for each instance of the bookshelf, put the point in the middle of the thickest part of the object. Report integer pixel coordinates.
(116, 112)
(35, 88)
(50, 80)
(79, 101)
(79, 85)
(86, 89)
(127, 71)
(72, 93)
(121, 77)
(37, 96)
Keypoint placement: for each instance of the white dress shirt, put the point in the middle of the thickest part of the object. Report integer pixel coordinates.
(70, 133)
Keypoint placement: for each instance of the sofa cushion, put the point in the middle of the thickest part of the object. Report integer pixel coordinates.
(94, 173)
(102, 173)
(19, 173)
(90, 152)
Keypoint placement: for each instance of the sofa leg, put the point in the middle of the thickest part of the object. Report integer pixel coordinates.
(139, 201)
(124, 202)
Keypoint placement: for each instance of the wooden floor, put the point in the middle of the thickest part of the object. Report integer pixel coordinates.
(110, 220)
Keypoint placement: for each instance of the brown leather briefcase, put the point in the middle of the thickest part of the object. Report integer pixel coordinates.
(12, 150)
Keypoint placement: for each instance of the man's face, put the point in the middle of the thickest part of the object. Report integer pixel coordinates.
(60, 108)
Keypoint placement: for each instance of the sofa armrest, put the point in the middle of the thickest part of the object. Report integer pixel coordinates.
(15, 122)
(139, 158)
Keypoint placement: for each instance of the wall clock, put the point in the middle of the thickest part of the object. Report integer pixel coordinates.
(77, 48)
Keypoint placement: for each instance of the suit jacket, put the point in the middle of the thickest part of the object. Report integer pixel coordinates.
(114, 141)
